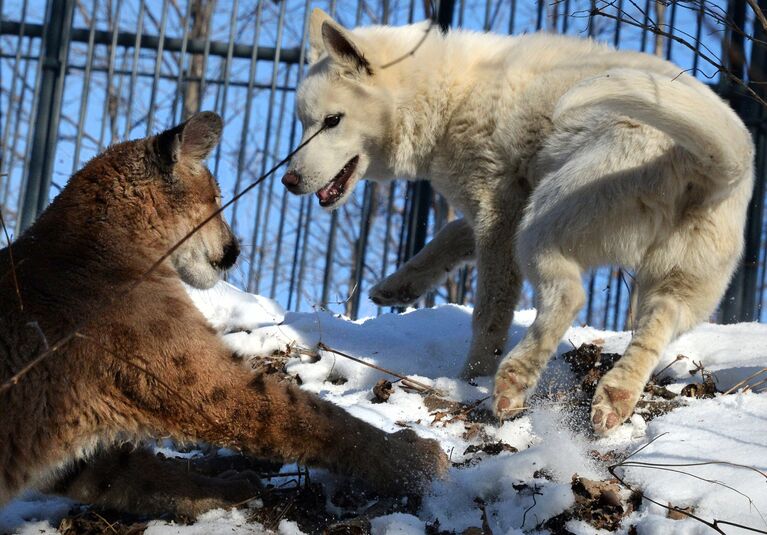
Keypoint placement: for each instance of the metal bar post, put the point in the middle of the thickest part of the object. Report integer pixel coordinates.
(46, 125)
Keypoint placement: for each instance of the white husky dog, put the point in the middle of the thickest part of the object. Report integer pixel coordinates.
(562, 154)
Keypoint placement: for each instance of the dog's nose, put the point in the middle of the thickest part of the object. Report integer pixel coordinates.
(291, 179)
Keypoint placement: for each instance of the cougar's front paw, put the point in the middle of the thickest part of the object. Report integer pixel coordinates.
(410, 464)
(394, 291)
(510, 391)
(614, 400)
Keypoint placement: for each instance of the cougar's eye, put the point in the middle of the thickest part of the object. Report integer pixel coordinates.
(331, 121)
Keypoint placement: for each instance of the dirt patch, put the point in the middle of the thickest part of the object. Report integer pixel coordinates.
(601, 504)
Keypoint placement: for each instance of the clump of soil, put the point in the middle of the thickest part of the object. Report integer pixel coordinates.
(599, 503)
(589, 363)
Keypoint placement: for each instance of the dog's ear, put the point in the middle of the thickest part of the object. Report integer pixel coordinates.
(316, 43)
(194, 139)
(342, 49)
(326, 36)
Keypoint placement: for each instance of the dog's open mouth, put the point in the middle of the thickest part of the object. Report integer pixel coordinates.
(333, 191)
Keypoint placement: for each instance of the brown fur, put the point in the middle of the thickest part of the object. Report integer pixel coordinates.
(149, 365)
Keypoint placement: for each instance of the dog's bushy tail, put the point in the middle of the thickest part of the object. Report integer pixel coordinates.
(693, 116)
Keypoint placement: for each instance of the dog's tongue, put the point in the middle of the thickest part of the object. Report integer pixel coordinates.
(328, 193)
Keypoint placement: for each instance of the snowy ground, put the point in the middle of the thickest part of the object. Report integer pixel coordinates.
(521, 490)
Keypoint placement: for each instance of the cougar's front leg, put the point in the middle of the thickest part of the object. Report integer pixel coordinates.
(451, 247)
(267, 418)
(134, 480)
(498, 286)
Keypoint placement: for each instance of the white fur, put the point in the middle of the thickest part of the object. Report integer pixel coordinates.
(562, 154)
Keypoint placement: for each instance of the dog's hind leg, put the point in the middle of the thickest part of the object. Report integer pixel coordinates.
(451, 247)
(667, 307)
(559, 296)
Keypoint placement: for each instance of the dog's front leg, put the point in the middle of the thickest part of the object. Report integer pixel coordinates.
(451, 247)
(498, 286)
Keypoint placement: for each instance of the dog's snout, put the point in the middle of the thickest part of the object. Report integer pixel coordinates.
(291, 179)
(231, 252)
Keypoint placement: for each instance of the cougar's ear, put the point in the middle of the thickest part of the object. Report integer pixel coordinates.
(194, 139)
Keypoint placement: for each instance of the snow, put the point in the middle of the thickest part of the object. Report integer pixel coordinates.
(430, 345)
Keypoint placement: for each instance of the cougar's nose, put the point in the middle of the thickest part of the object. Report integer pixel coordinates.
(291, 180)
(231, 252)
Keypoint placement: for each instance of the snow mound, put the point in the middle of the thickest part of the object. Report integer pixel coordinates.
(520, 489)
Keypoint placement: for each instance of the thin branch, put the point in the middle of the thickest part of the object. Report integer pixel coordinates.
(13, 263)
(720, 68)
(734, 387)
(758, 13)
(404, 378)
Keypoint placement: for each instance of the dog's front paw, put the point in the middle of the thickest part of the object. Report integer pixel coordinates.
(510, 391)
(394, 291)
(614, 400)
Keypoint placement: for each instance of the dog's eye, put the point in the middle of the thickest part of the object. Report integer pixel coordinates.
(331, 121)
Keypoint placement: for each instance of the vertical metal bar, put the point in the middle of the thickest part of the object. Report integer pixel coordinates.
(227, 72)
(110, 73)
(302, 261)
(645, 26)
(608, 297)
(512, 16)
(590, 302)
(362, 244)
(85, 91)
(30, 131)
(270, 193)
(733, 54)
(294, 264)
(698, 32)
(387, 231)
(134, 70)
(618, 293)
(176, 109)
(42, 154)
(11, 98)
(157, 67)
(566, 16)
(4, 200)
(205, 57)
(326, 276)
(293, 129)
(246, 119)
(617, 34)
(762, 280)
(539, 15)
(671, 28)
(254, 276)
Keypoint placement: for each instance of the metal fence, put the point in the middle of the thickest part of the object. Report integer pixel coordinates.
(77, 75)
